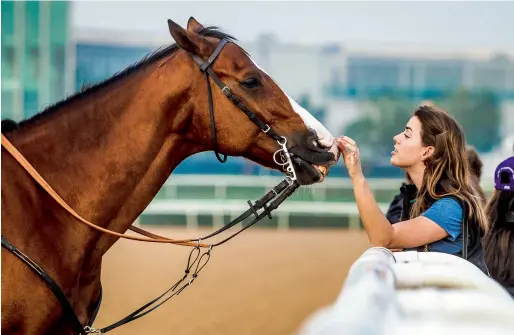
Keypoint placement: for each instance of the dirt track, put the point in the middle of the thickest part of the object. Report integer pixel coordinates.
(262, 282)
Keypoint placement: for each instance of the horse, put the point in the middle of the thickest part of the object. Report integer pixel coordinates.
(107, 150)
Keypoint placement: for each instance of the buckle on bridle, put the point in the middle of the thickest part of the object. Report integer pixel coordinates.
(226, 90)
(91, 330)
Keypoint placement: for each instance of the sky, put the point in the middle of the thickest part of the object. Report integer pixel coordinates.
(457, 24)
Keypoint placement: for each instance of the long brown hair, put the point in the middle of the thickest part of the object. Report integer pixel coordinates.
(499, 240)
(447, 169)
(475, 169)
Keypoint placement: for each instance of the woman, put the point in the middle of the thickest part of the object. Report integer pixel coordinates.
(394, 211)
(499, 240)
(441, 199)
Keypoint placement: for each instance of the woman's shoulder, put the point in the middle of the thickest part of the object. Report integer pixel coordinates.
(448, 202)
(448, 214)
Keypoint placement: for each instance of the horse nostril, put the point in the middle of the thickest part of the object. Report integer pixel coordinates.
(318, 144)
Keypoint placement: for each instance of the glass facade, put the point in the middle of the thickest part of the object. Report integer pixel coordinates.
(35, 56)
(421, 78)
(97, 62)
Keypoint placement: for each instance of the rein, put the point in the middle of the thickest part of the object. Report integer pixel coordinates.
(197, 260)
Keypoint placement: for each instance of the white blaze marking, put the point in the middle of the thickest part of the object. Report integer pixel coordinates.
(324, 137)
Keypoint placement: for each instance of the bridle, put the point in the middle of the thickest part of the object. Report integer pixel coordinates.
(197, 259)
(206, 69)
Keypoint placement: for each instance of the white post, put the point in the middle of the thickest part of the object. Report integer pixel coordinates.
(192, 220)
(283, 221)
(354, 222)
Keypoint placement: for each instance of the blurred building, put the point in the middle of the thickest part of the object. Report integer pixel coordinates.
(101, 54)
(421, 74)
(335, 82)
(37, 56)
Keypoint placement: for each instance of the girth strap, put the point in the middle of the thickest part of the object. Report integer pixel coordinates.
(61, 297)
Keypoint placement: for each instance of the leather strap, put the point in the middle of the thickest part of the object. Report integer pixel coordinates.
(67, 309)
(237, 101)
(261, 203)
(205, 67)
(465, 231)
(213, 56)
(34, 174)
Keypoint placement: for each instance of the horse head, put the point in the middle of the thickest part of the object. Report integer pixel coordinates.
(311, 146)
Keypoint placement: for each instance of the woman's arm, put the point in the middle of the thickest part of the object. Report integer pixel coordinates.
(378, 228)
(405, 234)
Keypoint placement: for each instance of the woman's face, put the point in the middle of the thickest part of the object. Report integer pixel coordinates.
(408, 149)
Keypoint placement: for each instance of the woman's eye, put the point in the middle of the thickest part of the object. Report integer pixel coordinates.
(405, 135)
(251, 83)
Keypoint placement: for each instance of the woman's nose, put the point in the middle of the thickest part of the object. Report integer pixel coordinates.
(395, 139)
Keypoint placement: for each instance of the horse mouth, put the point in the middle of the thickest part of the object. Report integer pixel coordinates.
(323, 171)
(309, 173)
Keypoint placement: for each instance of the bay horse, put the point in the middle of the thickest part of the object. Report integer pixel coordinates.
(107, 150)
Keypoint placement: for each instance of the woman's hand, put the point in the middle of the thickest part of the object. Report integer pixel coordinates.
(351, 156)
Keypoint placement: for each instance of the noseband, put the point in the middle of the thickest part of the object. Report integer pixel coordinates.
(197, 260)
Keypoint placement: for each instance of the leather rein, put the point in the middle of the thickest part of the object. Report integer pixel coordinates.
(197, 259)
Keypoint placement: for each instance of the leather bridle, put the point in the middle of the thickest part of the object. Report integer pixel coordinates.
(197, 259)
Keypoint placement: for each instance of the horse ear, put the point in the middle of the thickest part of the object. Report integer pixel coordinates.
(190, 41)
(194, 26)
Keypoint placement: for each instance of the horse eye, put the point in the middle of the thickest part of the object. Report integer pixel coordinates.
(251, 83)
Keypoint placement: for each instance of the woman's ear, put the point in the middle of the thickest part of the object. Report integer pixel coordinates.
(428, 151)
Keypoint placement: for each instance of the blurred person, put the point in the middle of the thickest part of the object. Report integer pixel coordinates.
(439, 202)
(475, 168)
(499, 239)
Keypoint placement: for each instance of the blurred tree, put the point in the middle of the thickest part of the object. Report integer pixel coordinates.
(479, 113)
(318, 112)
(382, 120)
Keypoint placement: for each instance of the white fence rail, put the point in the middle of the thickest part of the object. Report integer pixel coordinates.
(192, 209)
(415, 293)
(270, 181)
(220, 205)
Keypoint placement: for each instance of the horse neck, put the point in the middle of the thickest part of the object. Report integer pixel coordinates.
(107, 154)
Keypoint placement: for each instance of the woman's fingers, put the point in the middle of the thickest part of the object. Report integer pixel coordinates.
(349, 140)
(340, 145)
(349, 146)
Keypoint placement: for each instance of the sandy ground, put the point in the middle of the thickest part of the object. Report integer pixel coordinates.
(264, 281)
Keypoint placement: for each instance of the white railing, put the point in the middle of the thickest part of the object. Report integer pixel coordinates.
(218, 209)
(270, 181)
(415, 293)
(221, 183)
(222, 205)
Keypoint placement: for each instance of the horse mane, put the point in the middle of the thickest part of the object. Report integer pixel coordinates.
(9, 125)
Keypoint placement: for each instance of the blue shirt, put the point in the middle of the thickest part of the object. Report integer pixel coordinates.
(448, 214)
